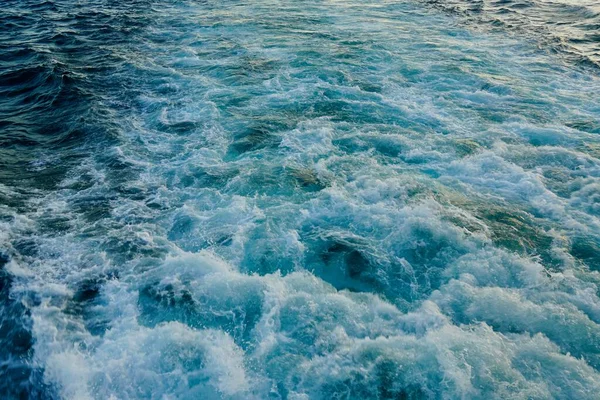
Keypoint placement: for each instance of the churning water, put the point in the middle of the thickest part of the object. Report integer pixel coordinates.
(299, 199)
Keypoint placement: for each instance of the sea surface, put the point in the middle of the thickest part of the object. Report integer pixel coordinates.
(305, 199)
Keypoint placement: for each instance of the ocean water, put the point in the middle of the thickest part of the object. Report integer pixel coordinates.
(299, 199)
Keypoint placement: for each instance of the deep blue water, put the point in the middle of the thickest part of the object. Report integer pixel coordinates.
(299, 199)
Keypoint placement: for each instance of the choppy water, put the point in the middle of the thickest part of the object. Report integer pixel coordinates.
(299, 199)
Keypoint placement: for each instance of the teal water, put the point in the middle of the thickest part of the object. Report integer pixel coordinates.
(296, 200)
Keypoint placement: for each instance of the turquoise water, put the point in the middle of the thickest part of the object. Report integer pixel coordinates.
(296, 200)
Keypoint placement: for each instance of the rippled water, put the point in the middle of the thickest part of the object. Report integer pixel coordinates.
(569, 26)
(316, 199)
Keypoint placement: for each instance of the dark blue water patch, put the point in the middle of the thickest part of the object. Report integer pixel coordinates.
(46, 116)
(41, 105)
(587, 249)
(56, 60)
(255, 137)
(88, 296)
(348, 268)
(20, 378)
(416, 269)
(159, 303)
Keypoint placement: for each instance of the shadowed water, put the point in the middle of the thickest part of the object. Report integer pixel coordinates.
(293, 200)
